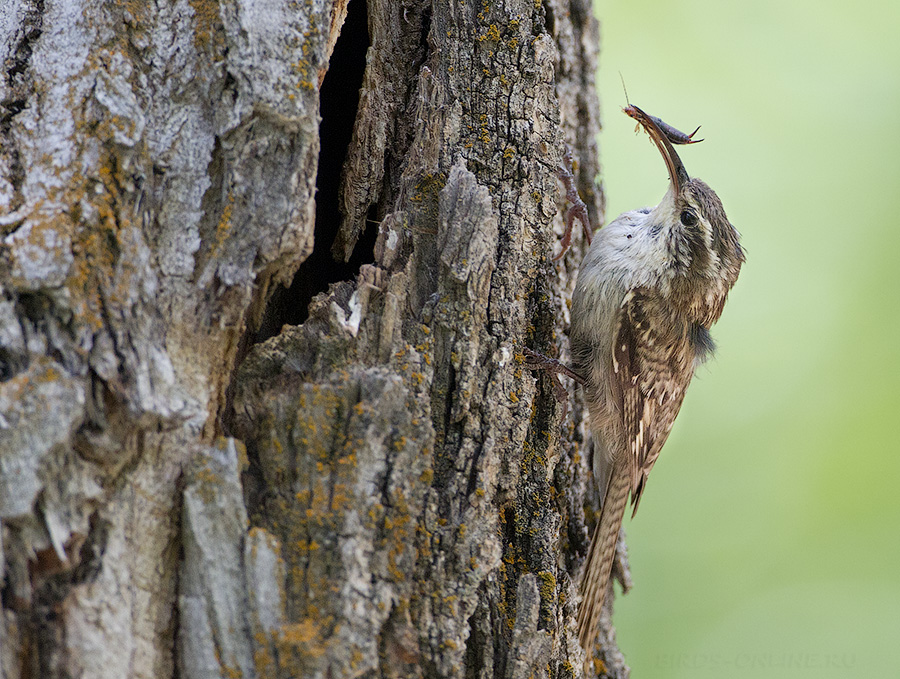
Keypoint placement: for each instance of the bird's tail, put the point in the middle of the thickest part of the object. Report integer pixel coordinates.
(602, 552)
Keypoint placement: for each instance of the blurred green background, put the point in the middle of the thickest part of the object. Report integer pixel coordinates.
(768, 543)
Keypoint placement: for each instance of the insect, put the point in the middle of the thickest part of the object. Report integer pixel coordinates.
(673, 135)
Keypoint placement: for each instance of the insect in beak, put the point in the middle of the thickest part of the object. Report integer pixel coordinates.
(677, 174)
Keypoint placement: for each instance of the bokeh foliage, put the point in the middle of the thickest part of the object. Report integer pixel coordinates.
(768, 543)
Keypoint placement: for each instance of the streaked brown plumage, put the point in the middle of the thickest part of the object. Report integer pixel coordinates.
(650, 287)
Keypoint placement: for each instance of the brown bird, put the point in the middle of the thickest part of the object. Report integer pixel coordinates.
(651, 285)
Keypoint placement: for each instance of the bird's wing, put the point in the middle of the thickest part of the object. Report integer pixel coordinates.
(652, 366)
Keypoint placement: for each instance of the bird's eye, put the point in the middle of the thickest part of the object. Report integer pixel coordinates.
(688, 218)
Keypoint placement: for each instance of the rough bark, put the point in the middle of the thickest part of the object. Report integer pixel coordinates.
(379, 489)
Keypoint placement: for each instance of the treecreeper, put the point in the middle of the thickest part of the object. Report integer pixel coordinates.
(650, 287)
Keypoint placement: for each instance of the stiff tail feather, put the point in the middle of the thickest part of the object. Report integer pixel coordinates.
(601, 553)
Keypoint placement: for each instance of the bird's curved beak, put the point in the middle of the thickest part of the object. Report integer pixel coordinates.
(677, 174)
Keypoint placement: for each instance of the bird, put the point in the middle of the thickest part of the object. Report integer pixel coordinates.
(652, 283)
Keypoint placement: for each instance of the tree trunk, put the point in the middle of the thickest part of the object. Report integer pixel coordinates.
(206, 474)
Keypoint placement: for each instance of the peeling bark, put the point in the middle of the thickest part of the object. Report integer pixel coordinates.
(381, 490)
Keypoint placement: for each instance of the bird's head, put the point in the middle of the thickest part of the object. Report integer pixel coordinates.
(704, 246)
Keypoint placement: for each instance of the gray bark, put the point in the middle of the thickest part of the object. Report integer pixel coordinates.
(380, 490)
